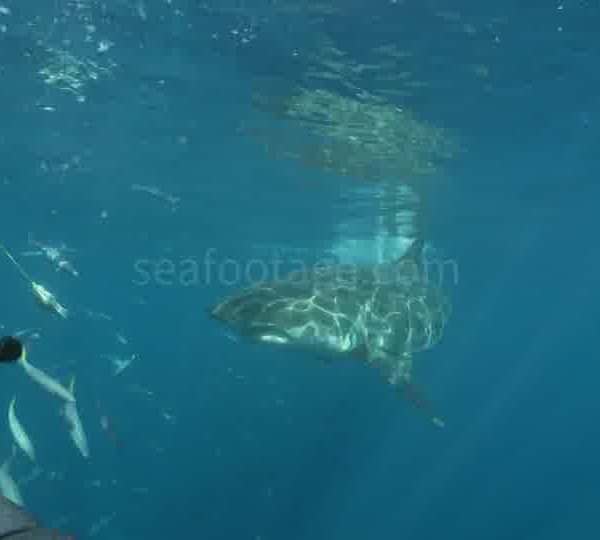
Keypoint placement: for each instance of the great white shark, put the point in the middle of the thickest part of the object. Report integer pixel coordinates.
(381, 314)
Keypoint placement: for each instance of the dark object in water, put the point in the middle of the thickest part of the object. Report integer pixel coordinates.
(11, 349)
(18, 524)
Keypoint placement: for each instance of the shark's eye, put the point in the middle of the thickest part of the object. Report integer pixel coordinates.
(11, 349)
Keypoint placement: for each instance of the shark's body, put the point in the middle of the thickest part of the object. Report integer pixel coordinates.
(381, 314)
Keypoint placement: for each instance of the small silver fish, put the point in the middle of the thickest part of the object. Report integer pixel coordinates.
(52, 386)
(8, 486)
(76, 430)
(18, 432)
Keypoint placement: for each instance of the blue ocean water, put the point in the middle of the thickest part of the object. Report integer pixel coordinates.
(125, 134)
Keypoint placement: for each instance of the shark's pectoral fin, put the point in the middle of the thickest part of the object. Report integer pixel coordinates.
(417, 397)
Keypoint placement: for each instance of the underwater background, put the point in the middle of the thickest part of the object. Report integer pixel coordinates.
(161, 139)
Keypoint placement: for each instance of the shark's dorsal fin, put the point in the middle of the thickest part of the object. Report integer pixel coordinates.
(410, 265)
(414, 252)
(412, 258)
(72, 385)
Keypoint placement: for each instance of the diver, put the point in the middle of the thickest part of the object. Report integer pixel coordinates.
(17, 523)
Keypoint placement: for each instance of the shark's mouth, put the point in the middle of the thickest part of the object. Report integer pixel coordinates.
(266, 333)
(257, 332)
